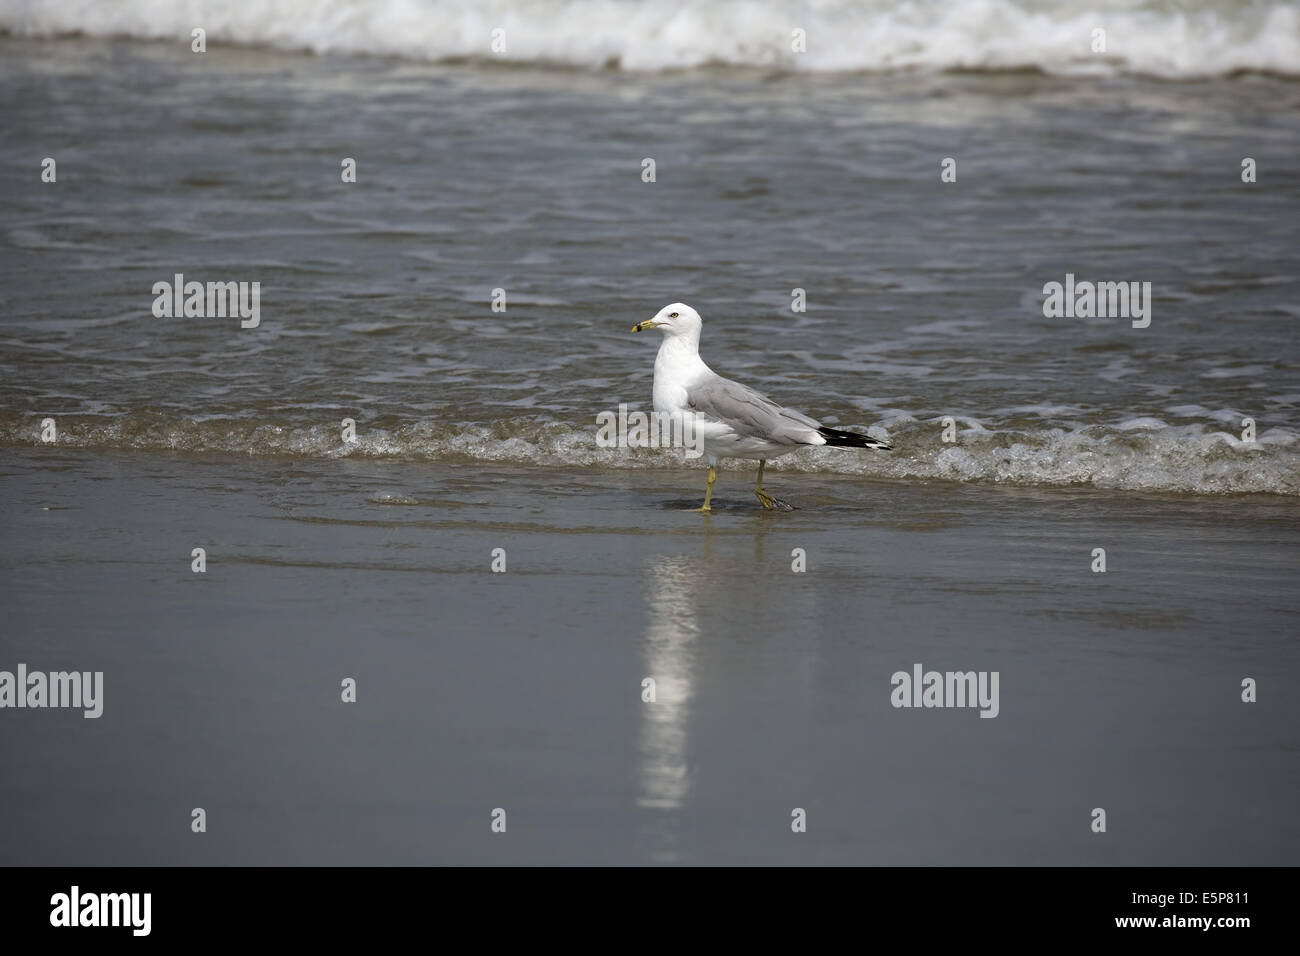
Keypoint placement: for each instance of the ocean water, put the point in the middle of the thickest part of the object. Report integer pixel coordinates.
(924, 299)
(1174, 446)
(523, 690)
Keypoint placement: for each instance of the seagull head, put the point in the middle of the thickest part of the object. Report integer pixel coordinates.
(677, 319)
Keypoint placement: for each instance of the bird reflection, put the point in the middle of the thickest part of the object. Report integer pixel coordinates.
(675, 582)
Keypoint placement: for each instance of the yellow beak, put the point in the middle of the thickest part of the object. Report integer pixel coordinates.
(642, 326)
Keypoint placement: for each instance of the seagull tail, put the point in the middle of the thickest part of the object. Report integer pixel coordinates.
(841, 439)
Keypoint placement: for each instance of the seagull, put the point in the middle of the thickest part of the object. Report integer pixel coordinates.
(731, 420)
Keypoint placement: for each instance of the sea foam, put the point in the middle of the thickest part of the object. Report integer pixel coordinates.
(1134, 455)
(1165, 38)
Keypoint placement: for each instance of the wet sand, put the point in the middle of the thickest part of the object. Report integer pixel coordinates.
(522, 690)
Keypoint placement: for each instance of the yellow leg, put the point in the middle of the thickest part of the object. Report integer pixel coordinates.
(768, 501)
(708, 495)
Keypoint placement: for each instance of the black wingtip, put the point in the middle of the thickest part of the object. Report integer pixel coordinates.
(842, 439)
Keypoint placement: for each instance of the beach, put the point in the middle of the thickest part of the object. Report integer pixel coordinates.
(426, 593)
(522, 690)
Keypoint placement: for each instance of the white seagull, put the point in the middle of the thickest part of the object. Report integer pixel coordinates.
(731, 420)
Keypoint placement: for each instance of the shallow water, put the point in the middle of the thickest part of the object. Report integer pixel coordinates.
(522, 690)
(924, 298)
(476, 431)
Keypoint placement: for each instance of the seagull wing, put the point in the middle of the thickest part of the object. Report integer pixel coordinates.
(751, 414)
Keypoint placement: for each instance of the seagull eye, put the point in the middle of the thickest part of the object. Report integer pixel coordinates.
(672, 315)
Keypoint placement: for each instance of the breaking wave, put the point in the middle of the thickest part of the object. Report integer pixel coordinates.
(1166, 38)
(1140, 455)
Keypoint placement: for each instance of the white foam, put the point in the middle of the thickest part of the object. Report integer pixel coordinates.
(1185, 39)
(1193, 458)
(1141, 424)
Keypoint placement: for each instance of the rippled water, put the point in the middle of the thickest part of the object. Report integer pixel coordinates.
(476, 437)
(924, 298)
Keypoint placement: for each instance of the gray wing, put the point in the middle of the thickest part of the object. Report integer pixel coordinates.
(752, 414)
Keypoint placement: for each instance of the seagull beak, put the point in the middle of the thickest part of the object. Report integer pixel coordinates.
(642, 326)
